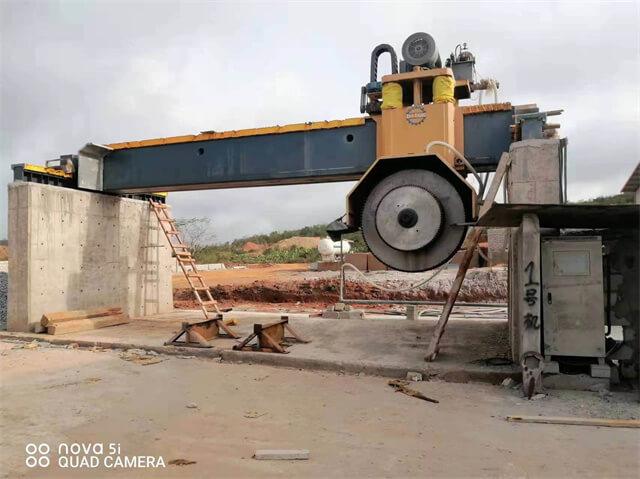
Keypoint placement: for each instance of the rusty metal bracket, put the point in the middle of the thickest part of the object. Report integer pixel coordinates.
(198, 335)
(270, 337)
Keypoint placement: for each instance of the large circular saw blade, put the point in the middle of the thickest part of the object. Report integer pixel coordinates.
(411, 220)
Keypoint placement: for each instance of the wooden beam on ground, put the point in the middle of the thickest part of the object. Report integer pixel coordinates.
(471, 242)
(281, 454)
(49, 319)
(576, 421)
(88, 324)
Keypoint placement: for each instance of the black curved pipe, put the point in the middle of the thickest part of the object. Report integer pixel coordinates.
(375, 54)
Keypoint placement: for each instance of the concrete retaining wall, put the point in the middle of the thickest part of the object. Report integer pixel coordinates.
(71, 249)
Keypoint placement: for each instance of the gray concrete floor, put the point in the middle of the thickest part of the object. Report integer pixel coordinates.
(217, 414)
(382, 346)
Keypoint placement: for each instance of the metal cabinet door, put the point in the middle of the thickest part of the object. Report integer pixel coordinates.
(573, 297)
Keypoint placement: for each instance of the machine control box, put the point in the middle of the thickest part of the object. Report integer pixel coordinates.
(573, 297)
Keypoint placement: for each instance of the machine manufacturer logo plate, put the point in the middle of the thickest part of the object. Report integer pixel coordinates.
(416, 114)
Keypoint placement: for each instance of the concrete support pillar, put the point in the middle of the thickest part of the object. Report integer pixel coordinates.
(72, 249)
(525, 303)
(533, 178)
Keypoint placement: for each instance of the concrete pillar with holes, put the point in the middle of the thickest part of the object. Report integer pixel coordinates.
(72, 249)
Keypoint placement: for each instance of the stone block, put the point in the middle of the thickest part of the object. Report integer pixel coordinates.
(281, 454)
(374, 264)
(534, 175)
(600, 371)
(342, 311)
(328, 266)
(412, 312)
(359, 260)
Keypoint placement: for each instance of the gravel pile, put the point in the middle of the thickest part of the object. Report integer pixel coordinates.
(4, 279)
(478, 278)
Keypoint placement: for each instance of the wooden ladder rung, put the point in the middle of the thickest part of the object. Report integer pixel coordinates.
(183, 256)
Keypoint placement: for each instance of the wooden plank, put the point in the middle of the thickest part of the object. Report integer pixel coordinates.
(77, 325)
(576, 421)
(477, 109)
(473, 239)
(60, 316)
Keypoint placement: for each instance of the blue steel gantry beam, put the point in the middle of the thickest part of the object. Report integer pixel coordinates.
(321, 152)
(311, 153)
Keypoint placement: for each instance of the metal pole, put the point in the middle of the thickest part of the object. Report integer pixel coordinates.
(341, 272)
(426, 303)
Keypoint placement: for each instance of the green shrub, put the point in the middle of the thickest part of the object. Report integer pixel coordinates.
(231, 252)
(225, 254)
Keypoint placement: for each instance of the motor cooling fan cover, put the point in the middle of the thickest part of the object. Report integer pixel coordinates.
(420, 50)
(410, 220)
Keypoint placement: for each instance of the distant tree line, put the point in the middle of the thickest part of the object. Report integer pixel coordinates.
(619, 199)
(198, 234)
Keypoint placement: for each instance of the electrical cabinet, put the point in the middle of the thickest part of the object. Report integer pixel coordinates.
(573, 296)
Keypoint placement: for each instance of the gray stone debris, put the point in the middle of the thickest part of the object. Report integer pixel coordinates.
(508, 382)
(538, 396)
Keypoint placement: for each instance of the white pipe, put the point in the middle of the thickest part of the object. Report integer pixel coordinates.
(464, 160)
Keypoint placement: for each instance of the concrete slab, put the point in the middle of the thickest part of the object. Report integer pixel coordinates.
(385, 347)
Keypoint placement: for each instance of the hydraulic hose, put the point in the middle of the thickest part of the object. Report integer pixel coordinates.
(464, 160)
(375, 54)
(417, 285)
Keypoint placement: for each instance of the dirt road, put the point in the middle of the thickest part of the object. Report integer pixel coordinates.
(355, 426)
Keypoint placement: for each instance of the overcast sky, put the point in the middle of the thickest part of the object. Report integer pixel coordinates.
(74, 72)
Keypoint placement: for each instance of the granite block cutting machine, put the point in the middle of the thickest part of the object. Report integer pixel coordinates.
(410, 154)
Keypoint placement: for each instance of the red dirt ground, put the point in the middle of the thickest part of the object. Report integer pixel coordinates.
(272, 286)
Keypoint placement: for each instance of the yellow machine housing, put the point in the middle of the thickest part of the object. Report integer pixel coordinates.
(403, 134)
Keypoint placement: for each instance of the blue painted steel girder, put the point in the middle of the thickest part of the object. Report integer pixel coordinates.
(312, 156)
